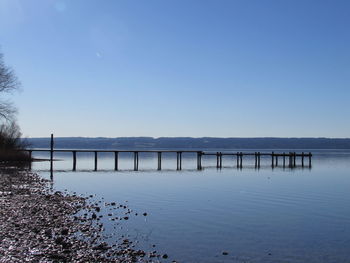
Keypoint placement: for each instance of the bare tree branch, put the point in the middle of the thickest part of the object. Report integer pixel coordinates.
(8, 83)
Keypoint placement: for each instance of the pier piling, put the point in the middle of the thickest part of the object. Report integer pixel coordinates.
(159, 161)
(95, 169)
(310, 159)
(51, 153)
(74, 160)
(199, 160)
(116, 161)
(136, 161)
(302, 159)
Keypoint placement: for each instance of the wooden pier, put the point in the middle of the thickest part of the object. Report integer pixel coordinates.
(288, 159)
(285, 160)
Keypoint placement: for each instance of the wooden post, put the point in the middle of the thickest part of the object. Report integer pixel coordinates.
(180, 160)
(241, 160)
(199, 157)
(259, 159)
(276, 160)
(95, 160)
(272, 161)
(290, 160)
(116, 161)
(310, 155)
(51, 153)
(220, 160)
(295, 159)
(177, 161)
(74, 160)
(136, 161)
(256, 160)
(302, 159)
(284, 160)
(217, 160)
(30, 159)
(159, 161)
(237, 154)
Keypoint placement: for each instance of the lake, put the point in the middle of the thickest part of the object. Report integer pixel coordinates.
(265, 215)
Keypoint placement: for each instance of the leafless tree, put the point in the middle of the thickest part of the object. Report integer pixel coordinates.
(10, 134)
(8, 83)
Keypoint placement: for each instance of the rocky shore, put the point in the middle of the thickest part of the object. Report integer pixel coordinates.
(40, 225)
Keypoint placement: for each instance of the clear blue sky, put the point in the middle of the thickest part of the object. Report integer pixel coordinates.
(226, 68)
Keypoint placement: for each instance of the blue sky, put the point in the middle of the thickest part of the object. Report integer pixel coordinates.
(225, 68)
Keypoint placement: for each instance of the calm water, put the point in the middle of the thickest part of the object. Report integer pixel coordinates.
(266, 215)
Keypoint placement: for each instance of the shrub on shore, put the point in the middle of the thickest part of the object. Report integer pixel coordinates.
(11, 145)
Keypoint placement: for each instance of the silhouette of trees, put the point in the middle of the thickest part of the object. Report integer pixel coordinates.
(8, 83)
(10, 134)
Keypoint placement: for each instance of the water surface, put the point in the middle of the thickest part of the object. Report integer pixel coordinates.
(265, 215)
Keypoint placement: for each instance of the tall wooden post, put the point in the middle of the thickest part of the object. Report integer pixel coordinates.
(237, 154)
(116, 161)
(74, 160)
(272, 160)
(30, 159)
(276, 160)
(259, 159)
(295, 159)
(51, 153)
(95, 161)
(284, 160)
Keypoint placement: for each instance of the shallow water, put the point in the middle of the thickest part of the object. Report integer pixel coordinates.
(265, 215)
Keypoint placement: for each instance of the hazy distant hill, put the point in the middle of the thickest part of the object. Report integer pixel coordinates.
(191, 143)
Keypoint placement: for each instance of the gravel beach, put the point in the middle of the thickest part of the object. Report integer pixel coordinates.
(40, 225)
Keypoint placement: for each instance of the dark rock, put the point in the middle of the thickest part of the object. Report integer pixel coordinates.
(65, 231)
(59, 240)
(48, 232)
(102, 246)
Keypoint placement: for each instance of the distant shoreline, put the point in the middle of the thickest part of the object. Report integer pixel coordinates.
(191, 143)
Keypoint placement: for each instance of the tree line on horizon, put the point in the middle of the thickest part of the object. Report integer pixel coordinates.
(127, 143)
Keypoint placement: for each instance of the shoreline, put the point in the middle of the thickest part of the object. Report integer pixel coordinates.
(39, 225)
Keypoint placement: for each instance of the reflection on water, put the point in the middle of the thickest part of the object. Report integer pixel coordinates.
(266, 215)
